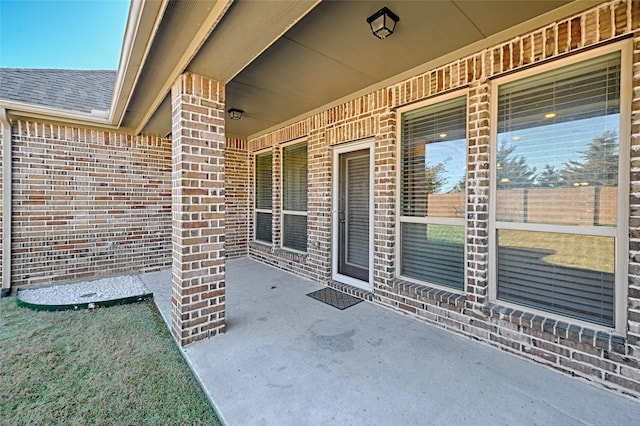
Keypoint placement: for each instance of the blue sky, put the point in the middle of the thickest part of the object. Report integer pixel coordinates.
(72, 34)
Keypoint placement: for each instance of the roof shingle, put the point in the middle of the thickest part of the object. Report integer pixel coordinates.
(73, 90)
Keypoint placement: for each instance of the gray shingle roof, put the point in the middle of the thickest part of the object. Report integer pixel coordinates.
(73, 90)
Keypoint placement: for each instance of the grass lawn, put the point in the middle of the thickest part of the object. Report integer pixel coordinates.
(115, 365)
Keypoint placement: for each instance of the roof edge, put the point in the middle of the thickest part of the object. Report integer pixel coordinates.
(143, 22)
(43, 113)
(210, 22)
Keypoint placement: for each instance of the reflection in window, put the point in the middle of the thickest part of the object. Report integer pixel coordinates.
(557, 164)
(557, 153)
(566, 274)
(433, 182)
(433, 253)
(294, 192)
(264, 168)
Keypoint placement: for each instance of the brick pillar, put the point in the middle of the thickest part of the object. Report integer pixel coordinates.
(477, 263)
(198, 283)
(384, 255)
(319, 207)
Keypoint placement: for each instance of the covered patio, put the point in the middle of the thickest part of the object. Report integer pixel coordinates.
(286, 358)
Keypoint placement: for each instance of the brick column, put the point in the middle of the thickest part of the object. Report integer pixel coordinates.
(477, 263)
(319, 207)
(384, 255)
(198, 283)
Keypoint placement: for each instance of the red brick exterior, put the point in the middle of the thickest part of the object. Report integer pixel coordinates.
(236, 166)
(612, 361)
(77, 191)
(198, 286)
(88, 203)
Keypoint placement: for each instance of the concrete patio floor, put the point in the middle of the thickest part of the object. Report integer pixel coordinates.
(287, 359)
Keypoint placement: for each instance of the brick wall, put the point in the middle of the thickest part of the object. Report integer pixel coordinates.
(198, 176)
(103, 202)
(88, 203)
(610, 361)
(236, 197)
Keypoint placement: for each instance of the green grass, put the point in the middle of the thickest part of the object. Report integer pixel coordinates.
(115, 365)
(446, 233)
(573, 251)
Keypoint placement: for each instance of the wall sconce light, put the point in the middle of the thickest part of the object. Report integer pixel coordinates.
(382, 23)
(235, 114)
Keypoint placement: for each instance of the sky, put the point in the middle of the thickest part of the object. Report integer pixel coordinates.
(70, 34)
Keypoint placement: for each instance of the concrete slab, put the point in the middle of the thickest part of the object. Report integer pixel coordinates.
(287, 359)
(159, 283)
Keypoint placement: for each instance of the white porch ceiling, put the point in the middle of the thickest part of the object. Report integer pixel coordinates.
(284, 59)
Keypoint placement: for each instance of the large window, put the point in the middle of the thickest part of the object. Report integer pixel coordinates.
(264, 203)
(294, 196)
(556, 163)
(432, 195)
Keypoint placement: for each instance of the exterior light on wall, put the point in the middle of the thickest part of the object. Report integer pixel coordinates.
(235, 114)
(382, 23)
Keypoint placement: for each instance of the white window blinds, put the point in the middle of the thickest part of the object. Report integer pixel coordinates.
(264, 202)
(432, 193)
(294, 196)
(557, 188)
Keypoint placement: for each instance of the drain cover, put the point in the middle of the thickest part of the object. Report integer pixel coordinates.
(88, 295)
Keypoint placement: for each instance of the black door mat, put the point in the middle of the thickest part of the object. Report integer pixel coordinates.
(335, 298)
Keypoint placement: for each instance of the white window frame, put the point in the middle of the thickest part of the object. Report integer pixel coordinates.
(368, 144)
(255, 197)
(620, 232)
(426, 220)
(292, 212)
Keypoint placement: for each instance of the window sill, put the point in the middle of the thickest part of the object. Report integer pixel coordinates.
(559, 329)
(434, 296)
(280, 252)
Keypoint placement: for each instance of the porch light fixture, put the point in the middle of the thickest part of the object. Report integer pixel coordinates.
(235, 114)
(382, 23)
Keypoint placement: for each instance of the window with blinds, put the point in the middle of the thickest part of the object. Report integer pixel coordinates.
(294, 196)
(556, 190)
(432, 193)
(264, 202)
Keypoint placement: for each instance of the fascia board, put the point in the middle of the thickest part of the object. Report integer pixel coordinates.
(143, 22)
(210, 22)
(42, 113)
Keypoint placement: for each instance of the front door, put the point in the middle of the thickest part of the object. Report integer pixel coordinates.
(353, 201)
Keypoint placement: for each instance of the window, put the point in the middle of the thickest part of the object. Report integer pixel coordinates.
(264, 203)
(432, 195)
(294, 200)
(557, 173)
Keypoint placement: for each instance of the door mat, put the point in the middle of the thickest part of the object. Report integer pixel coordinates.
(335, 298)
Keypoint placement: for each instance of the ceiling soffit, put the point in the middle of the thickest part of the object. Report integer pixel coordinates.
(246, 29)
(307, 56)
